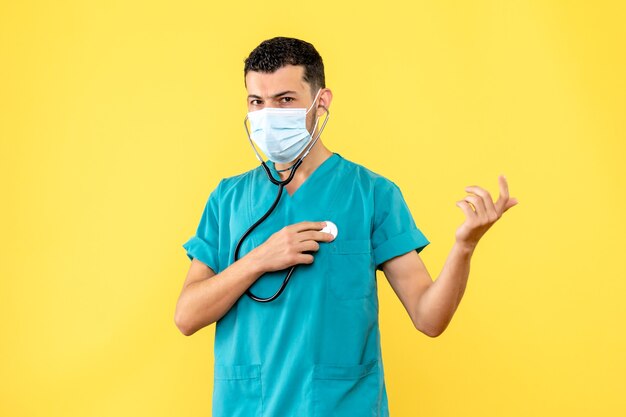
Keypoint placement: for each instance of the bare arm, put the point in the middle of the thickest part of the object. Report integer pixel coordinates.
(441, 300)
(207, 297)
(431, 305)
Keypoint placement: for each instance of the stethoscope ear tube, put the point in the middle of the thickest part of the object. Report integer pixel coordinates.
(281, 185)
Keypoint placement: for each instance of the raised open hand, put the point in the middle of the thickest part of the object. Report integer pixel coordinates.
(482, 213)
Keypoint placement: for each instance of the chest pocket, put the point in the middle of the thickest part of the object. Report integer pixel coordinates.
(350, 269)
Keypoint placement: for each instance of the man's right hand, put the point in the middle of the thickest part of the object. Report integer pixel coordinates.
(287, 247)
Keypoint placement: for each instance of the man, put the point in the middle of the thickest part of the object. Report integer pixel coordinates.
(315, 349)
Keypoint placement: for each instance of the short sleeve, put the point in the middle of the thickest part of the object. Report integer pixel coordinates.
(204, 244)
(394, 231)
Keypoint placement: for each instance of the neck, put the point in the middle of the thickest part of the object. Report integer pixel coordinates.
(318, 154)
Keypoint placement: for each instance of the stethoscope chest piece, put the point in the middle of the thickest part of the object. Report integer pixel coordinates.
(330, 228)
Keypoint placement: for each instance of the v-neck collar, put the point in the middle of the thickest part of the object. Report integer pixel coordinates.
(321, 169)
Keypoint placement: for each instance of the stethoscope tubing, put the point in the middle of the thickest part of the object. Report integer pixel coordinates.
(281, 185)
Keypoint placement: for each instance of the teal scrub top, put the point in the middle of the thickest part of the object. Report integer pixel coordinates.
(315, 350)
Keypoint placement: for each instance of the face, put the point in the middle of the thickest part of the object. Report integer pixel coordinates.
(285, 87)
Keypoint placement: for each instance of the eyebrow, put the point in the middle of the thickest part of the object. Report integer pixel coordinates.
(275, 95)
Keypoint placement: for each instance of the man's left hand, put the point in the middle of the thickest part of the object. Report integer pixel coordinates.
(484, 213)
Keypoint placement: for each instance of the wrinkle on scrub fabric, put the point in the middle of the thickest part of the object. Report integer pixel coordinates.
(315, 350)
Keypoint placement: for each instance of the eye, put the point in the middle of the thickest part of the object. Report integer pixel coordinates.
(289, 99)
(255, 102)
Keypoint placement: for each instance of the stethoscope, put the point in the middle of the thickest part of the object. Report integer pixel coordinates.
(281, 185)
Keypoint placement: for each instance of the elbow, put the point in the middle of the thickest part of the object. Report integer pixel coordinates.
(189, 324)
(429, 329)
(430, 324)
(183, 324)
(432, 332)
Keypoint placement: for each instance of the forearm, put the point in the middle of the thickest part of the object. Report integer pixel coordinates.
(439, 302)
(205, 302)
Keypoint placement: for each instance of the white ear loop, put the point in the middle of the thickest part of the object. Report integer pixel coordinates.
(314, 100)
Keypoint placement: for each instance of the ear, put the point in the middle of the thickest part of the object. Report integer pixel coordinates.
(326, 96)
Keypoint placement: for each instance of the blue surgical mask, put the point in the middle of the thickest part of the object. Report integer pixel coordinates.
(281, 133)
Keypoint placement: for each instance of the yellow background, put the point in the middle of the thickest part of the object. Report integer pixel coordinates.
(118, 118)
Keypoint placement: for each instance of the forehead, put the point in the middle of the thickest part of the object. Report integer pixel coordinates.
(288, 77)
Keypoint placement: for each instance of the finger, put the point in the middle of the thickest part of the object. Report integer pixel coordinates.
(309, 245)
(512, 201)
(479, 206)
(504, 195)
(315, 236)
(299, 227)
(304, 258)
(492, 214)
(464, 205)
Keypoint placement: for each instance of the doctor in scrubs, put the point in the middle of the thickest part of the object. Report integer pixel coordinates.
(314, 350)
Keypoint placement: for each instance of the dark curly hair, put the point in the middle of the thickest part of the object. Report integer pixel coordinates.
(277, 52)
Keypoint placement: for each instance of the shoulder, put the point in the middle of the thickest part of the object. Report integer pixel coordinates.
(234, 184)
(370, 180)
